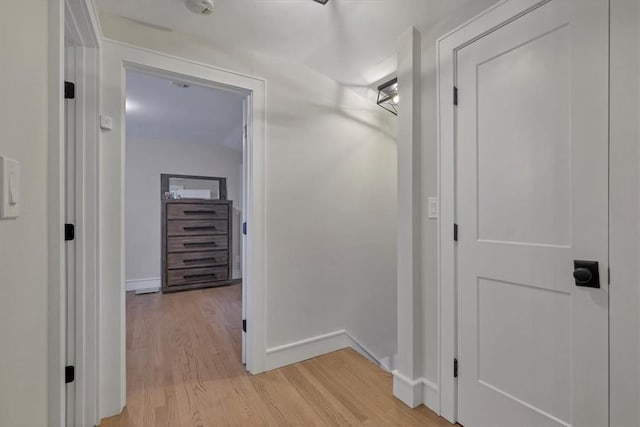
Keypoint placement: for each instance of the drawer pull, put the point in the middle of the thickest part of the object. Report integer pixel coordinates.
(186, 261)
(187, 244)
(199, 212)
(193, 276)
(200, 228)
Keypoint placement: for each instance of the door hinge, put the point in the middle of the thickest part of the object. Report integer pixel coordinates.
(69, 232)
(455, 232)
(244, 325)
(609, 275)
(244, 228)
(69, 90)
(455, 95)
(455, 368)
(69, 374)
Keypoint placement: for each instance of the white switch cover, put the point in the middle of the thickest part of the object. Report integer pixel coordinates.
(10, 176)
(432, 207)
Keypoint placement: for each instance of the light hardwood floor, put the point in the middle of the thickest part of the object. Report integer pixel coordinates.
(184, 369)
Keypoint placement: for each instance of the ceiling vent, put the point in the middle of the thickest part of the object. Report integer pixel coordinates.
(200, 7)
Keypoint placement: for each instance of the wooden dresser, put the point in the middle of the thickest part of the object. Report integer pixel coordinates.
(196, 244)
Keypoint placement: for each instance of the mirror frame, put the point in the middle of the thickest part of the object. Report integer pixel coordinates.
(165, 177)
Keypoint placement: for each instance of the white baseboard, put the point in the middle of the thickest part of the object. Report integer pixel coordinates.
(139, 284)
(298, 351)
(309, 348)
(430, 395)
(414, 393)
(407, 390)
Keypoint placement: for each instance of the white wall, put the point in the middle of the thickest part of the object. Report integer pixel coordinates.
(145, 161)
(330, 196)
(23, 241)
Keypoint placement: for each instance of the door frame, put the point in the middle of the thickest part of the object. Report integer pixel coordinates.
(76, 20)
(447, 46)
(117, 59)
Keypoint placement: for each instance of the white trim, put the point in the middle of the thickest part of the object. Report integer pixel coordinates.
(298, 351)
(410, 186)
(120, 58)
(56, 262)
(183, 60)
(309, 348)
(81, 20)
(408, 391)
(83, 37)
(430, 394)
(143, 284)
(414, 393)
(446, 48)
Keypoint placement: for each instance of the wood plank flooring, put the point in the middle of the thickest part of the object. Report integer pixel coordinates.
(184, 369)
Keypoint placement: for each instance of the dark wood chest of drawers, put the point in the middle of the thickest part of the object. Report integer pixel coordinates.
(196, 244)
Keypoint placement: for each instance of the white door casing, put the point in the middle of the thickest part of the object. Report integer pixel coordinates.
(243, 219)
(117, 57)
(532, 197)
(70, 246)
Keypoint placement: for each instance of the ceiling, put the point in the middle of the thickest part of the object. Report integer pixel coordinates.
(352, 41)
(158, 109)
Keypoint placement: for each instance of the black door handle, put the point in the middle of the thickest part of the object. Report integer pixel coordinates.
(586, 274)
(582, 275)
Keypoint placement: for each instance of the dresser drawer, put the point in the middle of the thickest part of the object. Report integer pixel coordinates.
(196, 227)
(190, 276)
(197, 259)
(197, 211)
(196, 243)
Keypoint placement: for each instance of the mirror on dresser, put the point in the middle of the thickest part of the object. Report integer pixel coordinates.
(196, 232)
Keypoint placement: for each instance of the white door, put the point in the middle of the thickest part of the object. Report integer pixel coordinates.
(532, 197)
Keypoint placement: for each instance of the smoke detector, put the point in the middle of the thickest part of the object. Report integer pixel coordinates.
(200, 7)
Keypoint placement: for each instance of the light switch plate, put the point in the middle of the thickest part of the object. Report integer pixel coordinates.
(10, 188)
(432, 208)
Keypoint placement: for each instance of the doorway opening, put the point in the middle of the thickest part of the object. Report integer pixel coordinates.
(185, 212)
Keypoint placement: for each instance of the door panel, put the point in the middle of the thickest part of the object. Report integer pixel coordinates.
(532, 197)
(529, 144)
